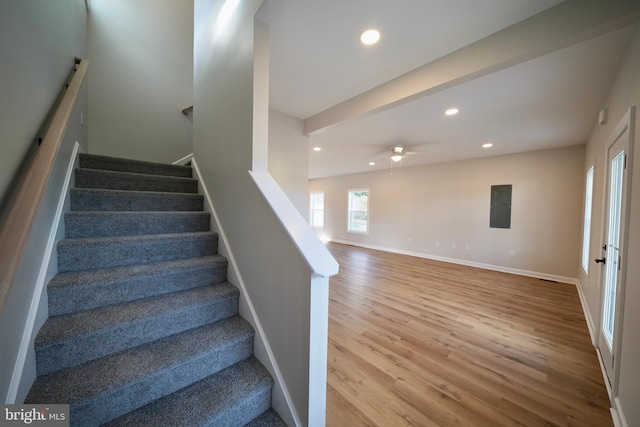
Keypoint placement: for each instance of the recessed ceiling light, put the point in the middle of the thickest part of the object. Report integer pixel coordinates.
(487, 145)
(451, 112)
(372, 163)
(317, 149)
(370, 37)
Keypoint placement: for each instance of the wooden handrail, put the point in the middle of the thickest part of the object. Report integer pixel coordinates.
(17, 227)
(187, 110)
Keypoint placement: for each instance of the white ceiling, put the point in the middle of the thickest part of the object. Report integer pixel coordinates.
(316, 62)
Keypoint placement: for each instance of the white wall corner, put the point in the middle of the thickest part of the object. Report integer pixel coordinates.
(260, 157)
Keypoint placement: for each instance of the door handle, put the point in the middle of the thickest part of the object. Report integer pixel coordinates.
(601, 260)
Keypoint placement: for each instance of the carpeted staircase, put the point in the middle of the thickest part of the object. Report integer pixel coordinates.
(144, 328)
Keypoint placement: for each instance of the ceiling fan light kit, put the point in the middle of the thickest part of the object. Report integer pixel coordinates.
(396, 153)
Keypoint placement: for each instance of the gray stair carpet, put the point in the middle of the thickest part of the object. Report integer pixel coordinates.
(144, 327)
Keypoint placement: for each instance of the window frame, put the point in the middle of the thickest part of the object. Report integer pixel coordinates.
(350, 228)
(312, 210)
(586, 224)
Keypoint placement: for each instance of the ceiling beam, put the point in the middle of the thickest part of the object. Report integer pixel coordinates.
(568, 23)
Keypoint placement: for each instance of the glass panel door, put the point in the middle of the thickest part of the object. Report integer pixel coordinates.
(613, 247)
(613, 260)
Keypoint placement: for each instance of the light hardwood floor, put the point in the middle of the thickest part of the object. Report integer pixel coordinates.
(415, 342)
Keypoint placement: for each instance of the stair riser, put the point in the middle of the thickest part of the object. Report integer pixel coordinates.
(101, 343)
(134, 395)
(89, 178)
(80, 225)
(123, 165)
(98, 200)
(70, 299)
(105, 253)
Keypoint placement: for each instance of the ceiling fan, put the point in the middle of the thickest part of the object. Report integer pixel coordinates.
(399, 152)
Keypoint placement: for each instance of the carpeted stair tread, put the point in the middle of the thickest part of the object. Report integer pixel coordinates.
(82, 290)
(232, 397)
(104, 252)
(94, 161)
(269, 418)
(96, 178)
(72, 339)
(143, 326)
(96, 199)
(127, 223)
(103, 389)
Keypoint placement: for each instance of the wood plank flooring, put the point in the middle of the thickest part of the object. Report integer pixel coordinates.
(415, 342)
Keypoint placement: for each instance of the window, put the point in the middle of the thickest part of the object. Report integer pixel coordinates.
(358, 220)
(316, 210)
(586, 232)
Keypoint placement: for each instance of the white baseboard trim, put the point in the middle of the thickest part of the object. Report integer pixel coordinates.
(261, 339)
(492, 267)
(604, 374)
(619, 419)
(25, 342)
(587, 315)
(183, 161)
(616, 412)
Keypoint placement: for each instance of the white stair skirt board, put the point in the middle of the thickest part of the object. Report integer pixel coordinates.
(25, 343)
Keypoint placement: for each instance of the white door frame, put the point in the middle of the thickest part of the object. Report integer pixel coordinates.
(626, 124)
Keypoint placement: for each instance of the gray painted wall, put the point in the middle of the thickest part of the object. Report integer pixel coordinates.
(38, 40)
(427, 209)
(276, 278)
(289, 158)
(141, 78)
(38, 43)
(625, 93)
